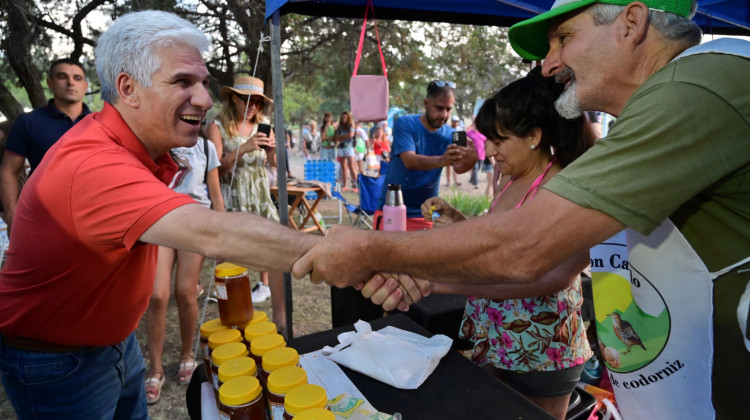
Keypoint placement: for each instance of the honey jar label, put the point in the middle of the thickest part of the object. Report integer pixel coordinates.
(221, 291)
(277, 410)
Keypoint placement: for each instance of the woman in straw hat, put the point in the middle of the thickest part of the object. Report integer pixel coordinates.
(235, 134)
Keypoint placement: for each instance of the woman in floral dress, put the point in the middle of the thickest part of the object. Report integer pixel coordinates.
(535, 344)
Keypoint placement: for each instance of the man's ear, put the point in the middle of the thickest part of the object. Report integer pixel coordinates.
(127, 90)
(634, 20)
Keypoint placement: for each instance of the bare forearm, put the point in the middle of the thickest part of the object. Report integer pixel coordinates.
(417, 162)
(555, 280)
(513, 247)
(9, 190)
(258, 243)
(246, 239)
(468, 162)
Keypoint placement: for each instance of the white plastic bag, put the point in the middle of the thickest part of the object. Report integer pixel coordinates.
(393, 356)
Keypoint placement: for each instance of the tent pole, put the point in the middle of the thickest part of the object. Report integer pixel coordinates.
(281, 169)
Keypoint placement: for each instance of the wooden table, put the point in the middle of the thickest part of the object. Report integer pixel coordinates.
(299, 193)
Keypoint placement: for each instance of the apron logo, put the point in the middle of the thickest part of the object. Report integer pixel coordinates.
(629, 337)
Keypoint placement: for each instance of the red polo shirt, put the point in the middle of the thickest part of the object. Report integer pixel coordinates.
(76, 273)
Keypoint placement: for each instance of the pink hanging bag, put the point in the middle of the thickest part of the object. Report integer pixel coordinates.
(368, 95)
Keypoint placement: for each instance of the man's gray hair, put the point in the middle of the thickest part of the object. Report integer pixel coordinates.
(130, 46)
(672, 26)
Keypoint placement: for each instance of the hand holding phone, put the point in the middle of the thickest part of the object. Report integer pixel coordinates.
(265, 129)
(459, 138)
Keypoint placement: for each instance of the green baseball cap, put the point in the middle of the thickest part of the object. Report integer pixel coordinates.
(529, 38)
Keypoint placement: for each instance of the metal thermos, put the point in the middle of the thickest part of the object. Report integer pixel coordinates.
(394, 210)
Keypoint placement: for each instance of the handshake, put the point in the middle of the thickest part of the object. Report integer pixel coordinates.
(341, 259)
(364, 260)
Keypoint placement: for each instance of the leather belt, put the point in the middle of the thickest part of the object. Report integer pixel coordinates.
(41, 346)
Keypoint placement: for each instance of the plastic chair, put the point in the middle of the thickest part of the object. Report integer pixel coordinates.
(352, 210)
(370, 190)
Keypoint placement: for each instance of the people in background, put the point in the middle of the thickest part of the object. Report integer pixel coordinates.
(245, 184)
(198, 177)
(327, 134)
(32, 134)
(344, 138)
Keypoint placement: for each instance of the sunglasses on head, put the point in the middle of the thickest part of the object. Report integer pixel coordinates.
(442, 83)
(257, 100)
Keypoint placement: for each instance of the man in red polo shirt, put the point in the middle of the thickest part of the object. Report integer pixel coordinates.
(80, 269)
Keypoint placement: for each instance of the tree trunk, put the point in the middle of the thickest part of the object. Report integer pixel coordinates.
(18, 46)
(9, 106)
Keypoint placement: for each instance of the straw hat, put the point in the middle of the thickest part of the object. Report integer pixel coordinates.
(245, 85)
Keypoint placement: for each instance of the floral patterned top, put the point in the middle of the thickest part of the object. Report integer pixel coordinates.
(543, 333)
(250, 192)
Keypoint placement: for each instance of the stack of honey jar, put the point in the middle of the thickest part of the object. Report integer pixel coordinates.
(255, 376)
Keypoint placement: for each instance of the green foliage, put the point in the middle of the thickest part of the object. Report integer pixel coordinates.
(471, 205)
(318, 53)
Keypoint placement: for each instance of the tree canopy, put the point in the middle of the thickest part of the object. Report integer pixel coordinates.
(318, 53)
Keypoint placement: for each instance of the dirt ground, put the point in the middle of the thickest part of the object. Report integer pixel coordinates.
(311, 310)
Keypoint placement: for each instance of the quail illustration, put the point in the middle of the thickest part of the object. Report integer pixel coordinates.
(625, 332)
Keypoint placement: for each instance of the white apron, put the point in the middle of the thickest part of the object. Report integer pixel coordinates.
(653, 299)
(658, 295)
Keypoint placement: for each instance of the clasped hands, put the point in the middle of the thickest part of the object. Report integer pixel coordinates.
(339, 260)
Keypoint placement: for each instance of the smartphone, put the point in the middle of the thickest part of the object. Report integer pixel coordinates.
(264, 128)
(459, 138)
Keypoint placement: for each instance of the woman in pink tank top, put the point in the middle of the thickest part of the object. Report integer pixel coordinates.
(536, 344)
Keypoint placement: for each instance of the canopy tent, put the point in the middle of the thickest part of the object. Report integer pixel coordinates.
(727, 17)
(724, 17)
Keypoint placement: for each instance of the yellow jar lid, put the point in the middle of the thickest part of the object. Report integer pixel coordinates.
(283, 379)
(304, 397)
(228, 351)
(263, 344)
(212, 326)
(218, 338)
(315, 414)
(229, 270)
(278, 358)
(257, 329)
(239, 366)
(258, 316)
(240, 390)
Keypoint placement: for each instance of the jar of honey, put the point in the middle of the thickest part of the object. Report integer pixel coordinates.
(224, 353)
(281, 381)
(304, 397)
(315, 414)
(239, 366)
(241, 398)
(277, 358)
(254, 330)
(208, 328)
(233, 294)
(263, 344)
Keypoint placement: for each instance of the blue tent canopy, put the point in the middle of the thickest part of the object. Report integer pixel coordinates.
(727, 17)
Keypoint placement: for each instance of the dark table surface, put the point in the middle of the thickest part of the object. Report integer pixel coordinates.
(457, 389)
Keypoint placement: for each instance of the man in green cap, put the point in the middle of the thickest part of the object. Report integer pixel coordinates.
(674, 172)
